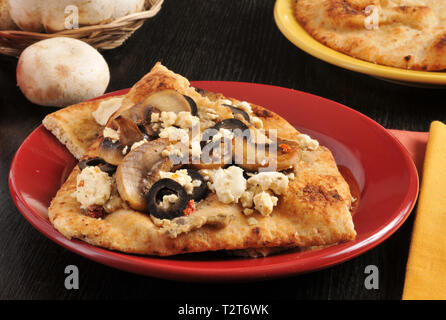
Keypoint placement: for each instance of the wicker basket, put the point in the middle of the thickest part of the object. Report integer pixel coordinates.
(102, 37)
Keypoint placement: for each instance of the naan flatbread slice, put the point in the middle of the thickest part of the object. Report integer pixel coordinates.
(314, 211)
(407, 34)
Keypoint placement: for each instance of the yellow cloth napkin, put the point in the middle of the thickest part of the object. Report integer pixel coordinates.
(426, 266)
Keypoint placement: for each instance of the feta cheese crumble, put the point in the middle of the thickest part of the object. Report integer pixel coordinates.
(257, 193)
(246, 199)
(276, 181)
(93, 186)
(245, 106)
(183, 119)
(182, 178)
(113, 135)
(174, 134)
(186, 120)
(168, 118)
(223, 133)
(226, 101)
(264, 202)
(306, 142)
(168, 200)
(257, 122)
(138, 144)
(260, 191)
(195, 149)
(229, 184)
(155, 117)
(171, 151)
(207, 117)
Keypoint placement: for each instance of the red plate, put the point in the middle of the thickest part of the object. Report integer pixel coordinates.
(382, 167)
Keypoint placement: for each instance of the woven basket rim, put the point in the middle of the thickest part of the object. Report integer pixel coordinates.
(154, 9)
(102, 36)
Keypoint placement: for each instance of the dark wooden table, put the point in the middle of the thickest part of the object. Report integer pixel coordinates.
(233, 40)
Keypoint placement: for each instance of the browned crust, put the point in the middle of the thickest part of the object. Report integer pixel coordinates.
(75, 126)
(409, 36)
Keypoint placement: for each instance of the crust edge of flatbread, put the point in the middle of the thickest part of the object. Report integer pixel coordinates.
(64, 122)
(54, 126)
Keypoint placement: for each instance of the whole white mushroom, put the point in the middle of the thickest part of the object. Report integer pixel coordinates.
(50, 15)
(26, 14)
(6, 22)
(61, 71)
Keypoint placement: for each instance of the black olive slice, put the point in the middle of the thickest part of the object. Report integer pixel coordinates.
(200, 91)
(200, 192)
(91, 162)
(215, 153)
(193, 105)
(155, 196)
(143, 126)
(108, 168)
(101, 163)
(237, 127)
(235, 111)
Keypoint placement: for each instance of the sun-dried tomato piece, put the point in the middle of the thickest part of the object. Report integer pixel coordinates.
(285, 148)
(190, 208)
(95, 211)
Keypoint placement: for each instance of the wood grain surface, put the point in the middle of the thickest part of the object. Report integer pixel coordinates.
(234, 40)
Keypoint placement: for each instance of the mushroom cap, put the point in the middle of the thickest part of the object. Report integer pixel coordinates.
(61, 71)
(97, 162)
(171, 100)
(137, 168)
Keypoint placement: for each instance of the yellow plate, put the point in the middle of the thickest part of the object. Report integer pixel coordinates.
(288, 25)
